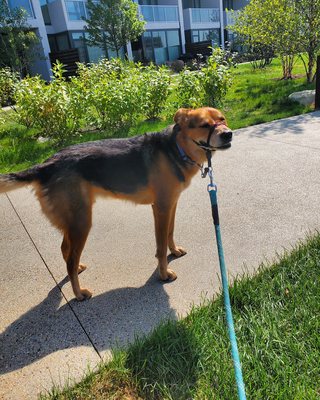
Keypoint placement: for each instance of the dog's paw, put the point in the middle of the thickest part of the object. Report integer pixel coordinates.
(85, 294)
(178, 251)
(168, 276)
(81, 268)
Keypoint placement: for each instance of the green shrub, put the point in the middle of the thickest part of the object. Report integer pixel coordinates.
(55, 108)
(189, 92)
(177, 66)
(8, 80)
(113, 93)
(207, 86)
(216, 77)
(156, 91)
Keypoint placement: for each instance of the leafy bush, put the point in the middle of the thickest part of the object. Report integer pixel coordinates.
(177, 66)
(259, 55)
(189, 91)
(8, 80)
(55, 108)
(207, 86)
(216, 77)
(195, 64)
(156, 91)
(113, 93)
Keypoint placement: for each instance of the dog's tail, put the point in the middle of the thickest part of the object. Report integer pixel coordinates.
(14, 181)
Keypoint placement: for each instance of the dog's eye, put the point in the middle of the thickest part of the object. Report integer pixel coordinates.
(206, 126)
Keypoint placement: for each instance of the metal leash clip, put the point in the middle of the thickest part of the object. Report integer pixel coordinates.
(204, 171)
(212, 185)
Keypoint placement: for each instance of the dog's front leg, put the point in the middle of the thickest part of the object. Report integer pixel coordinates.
(177, 251)
(162, 216)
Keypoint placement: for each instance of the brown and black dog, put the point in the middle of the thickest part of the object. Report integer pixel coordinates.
(150, 169)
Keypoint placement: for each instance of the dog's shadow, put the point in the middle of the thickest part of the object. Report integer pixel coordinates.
(110, 319)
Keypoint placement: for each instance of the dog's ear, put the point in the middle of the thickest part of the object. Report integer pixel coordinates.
(181, 116)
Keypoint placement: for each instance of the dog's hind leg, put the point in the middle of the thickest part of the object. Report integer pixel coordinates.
(76, 238)
(65, 249)
(67, 202)
(177, 251)
(162, 216)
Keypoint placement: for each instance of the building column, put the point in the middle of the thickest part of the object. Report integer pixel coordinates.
(221, 23)
(181, 22)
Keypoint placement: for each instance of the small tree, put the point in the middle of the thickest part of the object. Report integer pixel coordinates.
(273, 23)
(18, 43)
(113, 23)
(309, 33)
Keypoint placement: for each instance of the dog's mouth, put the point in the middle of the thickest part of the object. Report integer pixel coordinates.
(224, 146)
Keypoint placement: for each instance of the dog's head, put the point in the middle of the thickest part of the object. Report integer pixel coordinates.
(205, 126)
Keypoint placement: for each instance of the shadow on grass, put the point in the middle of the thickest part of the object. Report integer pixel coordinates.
(165, 363)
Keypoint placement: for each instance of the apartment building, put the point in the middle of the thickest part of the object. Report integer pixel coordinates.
(173, 27)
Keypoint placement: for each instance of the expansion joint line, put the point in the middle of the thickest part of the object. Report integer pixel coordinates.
(286, 143)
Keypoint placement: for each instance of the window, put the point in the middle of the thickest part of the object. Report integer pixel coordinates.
(62, 42)
(76, 10)
(88, 53)
(205, 35)
(173, 40)
(26, 4)
(79, 43)
(95, 53)
(148, 2)
(52, 43)
(228, 4)
(161, 46)
(59, 42)
(45, 12)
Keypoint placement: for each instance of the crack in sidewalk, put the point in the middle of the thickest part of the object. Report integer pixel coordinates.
(287, 143)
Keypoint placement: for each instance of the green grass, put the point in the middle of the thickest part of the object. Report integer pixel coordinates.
(20, 148)
(277, 320)
(260, 96)
(256, 96)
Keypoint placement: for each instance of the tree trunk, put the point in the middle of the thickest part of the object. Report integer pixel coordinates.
(311, 63)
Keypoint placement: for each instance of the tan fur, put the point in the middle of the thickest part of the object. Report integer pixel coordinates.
(7, 185)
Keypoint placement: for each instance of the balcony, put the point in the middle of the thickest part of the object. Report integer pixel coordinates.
(160, 13)
(201, 18)
(76, 10)
(204, 15)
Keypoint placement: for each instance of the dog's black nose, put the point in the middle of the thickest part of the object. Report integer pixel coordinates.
(227, 136)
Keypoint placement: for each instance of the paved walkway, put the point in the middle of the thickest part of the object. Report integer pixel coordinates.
(269, 196)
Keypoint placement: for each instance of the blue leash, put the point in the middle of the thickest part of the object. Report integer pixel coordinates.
(212, 189)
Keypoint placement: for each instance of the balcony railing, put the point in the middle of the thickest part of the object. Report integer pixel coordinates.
(76, 9)
(160, 13)
(205, 15)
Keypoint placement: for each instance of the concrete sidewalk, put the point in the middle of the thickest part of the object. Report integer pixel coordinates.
(269, 197)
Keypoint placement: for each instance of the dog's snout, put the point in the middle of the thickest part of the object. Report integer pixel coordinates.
(227, 135)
